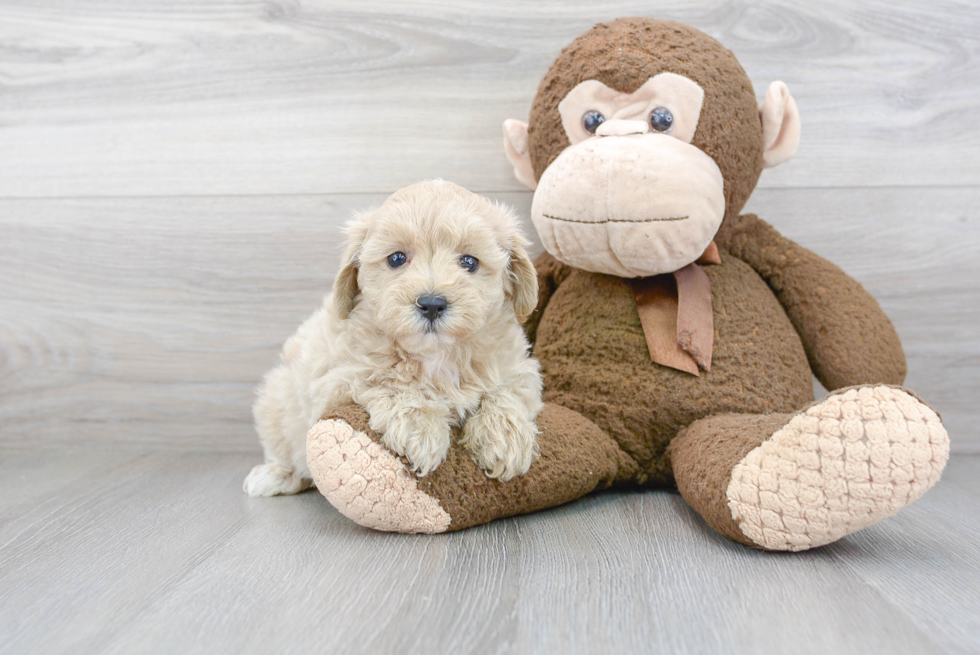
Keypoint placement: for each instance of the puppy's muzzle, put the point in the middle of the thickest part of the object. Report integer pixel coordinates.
(431, 307)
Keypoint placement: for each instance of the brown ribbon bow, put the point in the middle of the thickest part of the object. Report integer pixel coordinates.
(676, 315)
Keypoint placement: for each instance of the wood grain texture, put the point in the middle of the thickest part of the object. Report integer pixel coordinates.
(162, 552)
(222, 97)
(151, 320)
(932, 578)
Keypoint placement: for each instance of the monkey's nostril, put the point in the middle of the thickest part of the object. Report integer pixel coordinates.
(431, 307)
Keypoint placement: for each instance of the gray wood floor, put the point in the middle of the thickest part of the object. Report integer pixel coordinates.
(127, 551)
(173, 177)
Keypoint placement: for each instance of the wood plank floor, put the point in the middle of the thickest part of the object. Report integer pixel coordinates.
(134, 551)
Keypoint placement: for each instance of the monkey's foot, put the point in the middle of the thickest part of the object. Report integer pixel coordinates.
(376, 488)
(368, 483)
(793, 482)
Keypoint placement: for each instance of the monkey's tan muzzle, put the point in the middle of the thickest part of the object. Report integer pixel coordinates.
(631, 206)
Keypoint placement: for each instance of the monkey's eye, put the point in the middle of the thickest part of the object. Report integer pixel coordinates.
(661, 120)
(592, 120)
(470, 263)
(397, 259)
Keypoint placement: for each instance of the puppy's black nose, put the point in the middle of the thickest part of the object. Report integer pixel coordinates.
(431, 307)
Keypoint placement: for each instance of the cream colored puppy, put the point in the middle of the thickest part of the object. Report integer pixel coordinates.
(422, 330)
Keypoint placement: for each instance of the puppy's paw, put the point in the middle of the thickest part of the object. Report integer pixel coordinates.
(504, 445)
(421, 436)
(274, 480)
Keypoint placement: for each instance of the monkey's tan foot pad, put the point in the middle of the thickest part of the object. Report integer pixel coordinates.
(846, 462)
(367, 483)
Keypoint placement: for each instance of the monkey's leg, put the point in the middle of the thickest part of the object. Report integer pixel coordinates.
(797, 481)
(372, 486)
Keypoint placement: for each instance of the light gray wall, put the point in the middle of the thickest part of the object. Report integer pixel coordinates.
(173, 177)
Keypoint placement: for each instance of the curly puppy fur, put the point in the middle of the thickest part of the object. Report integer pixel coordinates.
(370, 343)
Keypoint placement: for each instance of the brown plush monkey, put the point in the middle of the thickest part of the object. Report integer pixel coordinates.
(677, 337)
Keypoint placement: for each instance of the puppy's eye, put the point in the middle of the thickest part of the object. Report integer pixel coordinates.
(661, 120)
(397, 259)
(470, 263)
(592, 120)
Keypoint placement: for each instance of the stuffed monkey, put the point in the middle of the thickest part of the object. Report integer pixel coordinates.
(677, 337)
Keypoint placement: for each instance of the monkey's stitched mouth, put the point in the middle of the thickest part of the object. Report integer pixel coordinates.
(617, 220)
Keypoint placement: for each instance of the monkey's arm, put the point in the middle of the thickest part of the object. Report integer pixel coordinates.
(551, 273)
(847, 337)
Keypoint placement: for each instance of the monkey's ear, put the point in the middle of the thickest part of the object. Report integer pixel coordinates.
(780, 125)
(345, 287)
(518, 153)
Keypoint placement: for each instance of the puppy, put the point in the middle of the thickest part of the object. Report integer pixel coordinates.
(422, 330)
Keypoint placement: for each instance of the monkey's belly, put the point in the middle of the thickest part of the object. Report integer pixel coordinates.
(595, 361)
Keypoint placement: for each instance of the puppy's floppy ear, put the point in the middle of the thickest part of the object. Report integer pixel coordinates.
(524, 281)
(521, 279)
(345, 288)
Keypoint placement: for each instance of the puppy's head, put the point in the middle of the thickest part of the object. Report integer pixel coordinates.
(433, 265)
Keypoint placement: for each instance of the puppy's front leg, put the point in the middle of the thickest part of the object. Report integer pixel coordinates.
(411, 426)
(501, 435)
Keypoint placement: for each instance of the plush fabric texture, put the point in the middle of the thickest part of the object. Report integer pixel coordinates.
(682, 94)
(623, 54)
(515, 147)
(551, 273)
(703, 456)
(744, 441)
(366, 482)
(798, 481)
(594, 359)
(780, 125)
(374, 487)
(847, 462)
(848, 339)
(632, 207)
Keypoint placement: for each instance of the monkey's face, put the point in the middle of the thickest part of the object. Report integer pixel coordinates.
(630, 196)
(643, 136)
